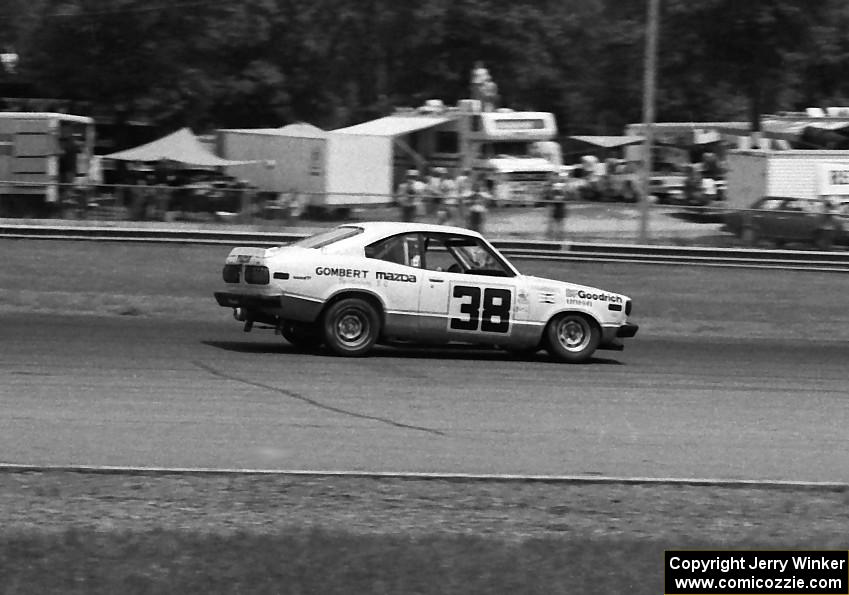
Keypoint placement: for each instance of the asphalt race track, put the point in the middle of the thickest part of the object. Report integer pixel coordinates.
(131, 391)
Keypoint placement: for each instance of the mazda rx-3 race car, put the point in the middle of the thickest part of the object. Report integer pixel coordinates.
(383, 282)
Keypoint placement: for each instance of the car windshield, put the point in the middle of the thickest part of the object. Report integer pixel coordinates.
(326, 238)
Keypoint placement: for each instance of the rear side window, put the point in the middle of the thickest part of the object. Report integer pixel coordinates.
(326, 238)
(403, 249)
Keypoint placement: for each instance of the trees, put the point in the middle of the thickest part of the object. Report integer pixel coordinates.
(747, 47)
(220, 63)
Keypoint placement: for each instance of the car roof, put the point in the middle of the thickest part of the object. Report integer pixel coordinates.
(376, 229)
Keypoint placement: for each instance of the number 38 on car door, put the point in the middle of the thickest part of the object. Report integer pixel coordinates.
(480, 308)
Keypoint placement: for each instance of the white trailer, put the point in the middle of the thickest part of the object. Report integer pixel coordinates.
(359, 171)
(327, 170)
(38, 152)
(753, 174)
(288, 159)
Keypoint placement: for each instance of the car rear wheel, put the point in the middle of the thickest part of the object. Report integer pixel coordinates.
(824, 239)
(572, 337)
(302, 335)
(351, 327)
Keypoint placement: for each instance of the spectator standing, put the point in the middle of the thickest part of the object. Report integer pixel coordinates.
(69, 153)
(452, 207)
(489, 94)
(711, 167)
(443, 191)
(477, 209)
(693, 190)
(463, 183)
(465, 190)
(556, 196)
(591, 175)
(500, 190)
(143, 198)
(432, 183)
(480, 74)
(409, 194)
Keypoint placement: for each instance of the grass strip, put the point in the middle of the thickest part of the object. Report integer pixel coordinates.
(69, 532)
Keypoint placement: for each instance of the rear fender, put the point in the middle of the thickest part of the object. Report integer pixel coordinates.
(363, 294)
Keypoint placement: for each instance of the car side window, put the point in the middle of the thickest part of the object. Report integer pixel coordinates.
(476, 257)
(402, 249)
(437, 256)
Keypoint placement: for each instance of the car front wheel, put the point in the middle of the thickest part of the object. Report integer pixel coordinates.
(572, 337)
(351, 326)
(750, 236)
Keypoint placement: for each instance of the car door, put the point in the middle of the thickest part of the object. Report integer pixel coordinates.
(767, 217)
(467, 294)
(791, 222)
(395, 262)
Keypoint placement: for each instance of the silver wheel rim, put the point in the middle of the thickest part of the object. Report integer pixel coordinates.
(352, 328)
(573, 334)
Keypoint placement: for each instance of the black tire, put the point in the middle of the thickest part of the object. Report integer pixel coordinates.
(350, 327)
(572, 337)
(301, 335)
(750, 236)
(522, 353)
(824, 239)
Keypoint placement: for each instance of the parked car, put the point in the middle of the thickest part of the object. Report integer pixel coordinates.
(787, 220)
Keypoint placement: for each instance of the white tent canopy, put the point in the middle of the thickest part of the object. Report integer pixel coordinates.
(609, 142)
(181, 146)
(393, 126)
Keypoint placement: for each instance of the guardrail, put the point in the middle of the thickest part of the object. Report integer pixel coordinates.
(519, 249)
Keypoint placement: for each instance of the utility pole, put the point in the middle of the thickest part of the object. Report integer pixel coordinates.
(649, 83)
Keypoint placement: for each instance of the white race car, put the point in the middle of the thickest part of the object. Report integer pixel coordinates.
(385, 282)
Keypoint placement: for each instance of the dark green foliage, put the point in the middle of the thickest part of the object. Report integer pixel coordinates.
(335, 62)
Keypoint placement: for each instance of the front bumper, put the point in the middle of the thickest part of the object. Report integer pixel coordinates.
(627, 330)
(611, 336)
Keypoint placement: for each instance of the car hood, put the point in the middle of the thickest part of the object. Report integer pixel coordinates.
(565, 290)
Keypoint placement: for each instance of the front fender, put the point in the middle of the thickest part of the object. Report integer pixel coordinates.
(592, 315)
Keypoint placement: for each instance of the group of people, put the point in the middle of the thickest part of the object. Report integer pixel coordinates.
(449, 200)
(157, 194)
(463, 199)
